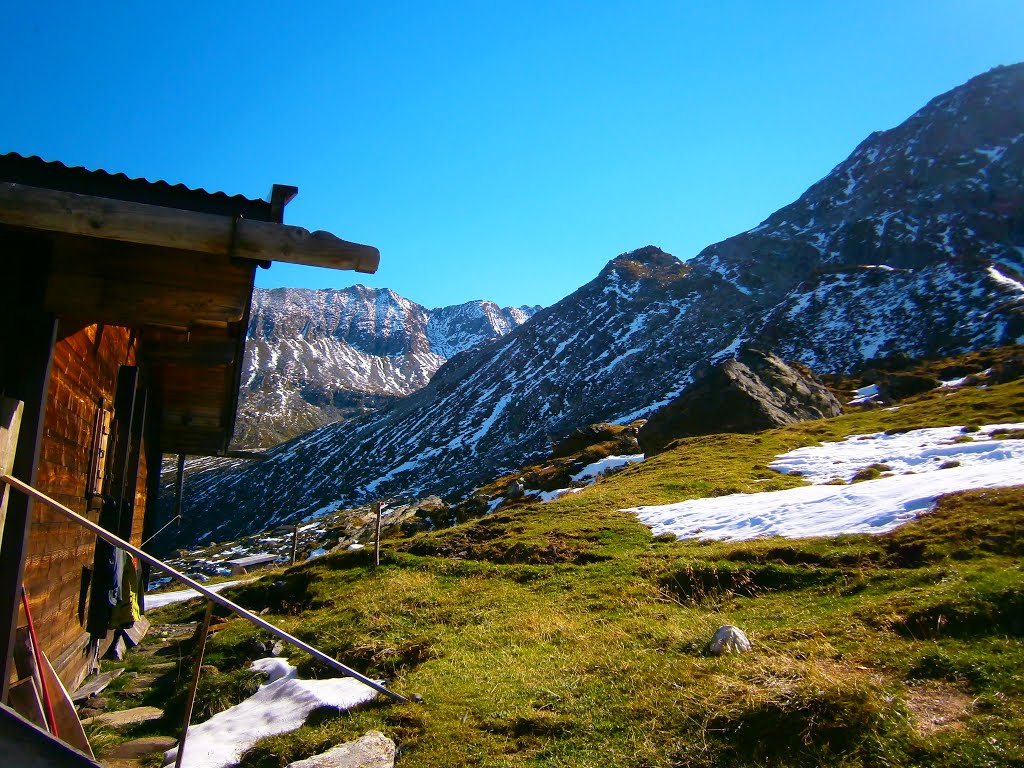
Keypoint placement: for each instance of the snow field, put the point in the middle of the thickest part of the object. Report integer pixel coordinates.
(925, 463)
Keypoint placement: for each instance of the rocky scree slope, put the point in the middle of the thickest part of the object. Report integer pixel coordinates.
(313, 357)
(914, 243)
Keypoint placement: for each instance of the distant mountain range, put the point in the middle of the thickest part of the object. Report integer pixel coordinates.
(314, 357)
(913, 244)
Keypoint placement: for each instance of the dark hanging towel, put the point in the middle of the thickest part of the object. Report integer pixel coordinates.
(109, 587)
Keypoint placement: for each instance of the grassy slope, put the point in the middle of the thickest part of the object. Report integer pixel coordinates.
(562, 634)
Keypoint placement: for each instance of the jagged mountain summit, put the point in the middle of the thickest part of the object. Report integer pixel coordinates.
(313, 357)
(919, 222)
(914, 244)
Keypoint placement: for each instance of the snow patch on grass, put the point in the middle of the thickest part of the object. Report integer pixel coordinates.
(281, 705)
(925, 463)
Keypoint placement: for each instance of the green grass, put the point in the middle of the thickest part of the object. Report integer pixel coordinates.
(563, 634)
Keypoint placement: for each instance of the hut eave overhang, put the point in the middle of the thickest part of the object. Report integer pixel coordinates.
(182, 279)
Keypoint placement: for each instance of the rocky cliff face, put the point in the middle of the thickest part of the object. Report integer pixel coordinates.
(753, 391)
(914, 243)
(316, 357)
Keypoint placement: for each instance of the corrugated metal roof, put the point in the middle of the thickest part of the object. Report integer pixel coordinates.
(36, 172)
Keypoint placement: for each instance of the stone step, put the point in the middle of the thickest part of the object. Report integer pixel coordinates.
(136, 748)
(125, 717)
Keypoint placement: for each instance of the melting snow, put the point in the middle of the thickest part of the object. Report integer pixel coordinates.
(606, 464)
(166, 598)
(499, 408)
(916, 451)
(327, 509)
(546, 496)
(282, 704)
(953, 383)
(589, 473)
(1002, 279)
(864, 395)
(994, 154)
(928, 462)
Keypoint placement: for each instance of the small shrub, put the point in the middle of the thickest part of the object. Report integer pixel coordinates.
(911, 554)
(871, 472)
(1008, 434)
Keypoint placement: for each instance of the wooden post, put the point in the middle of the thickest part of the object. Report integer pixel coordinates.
(179, 480)
(295, 543)
(10, 425)
(379, 506)
(190, 702)
(25, 376)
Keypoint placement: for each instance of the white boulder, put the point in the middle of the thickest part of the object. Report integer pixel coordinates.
(728, 639)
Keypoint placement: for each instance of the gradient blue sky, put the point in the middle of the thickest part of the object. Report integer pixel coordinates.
(490, 150)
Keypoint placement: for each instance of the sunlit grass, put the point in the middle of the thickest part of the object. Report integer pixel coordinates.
(562, 634)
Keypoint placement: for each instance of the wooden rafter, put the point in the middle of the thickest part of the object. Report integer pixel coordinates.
(84, 215)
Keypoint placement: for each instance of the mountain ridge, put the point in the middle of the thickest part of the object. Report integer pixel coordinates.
(887, 253)
(316, 356)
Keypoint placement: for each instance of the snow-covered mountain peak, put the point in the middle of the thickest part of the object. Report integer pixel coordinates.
(316, 356)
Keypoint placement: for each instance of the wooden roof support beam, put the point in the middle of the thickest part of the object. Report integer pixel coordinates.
(54, 211)
(204, 353)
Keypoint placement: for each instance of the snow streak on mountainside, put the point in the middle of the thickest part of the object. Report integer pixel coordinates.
(914, 243)
(315, 357)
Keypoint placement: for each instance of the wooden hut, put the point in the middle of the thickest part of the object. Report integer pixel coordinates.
(123, 315)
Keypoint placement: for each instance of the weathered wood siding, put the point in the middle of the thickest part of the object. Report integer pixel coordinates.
(84, 373)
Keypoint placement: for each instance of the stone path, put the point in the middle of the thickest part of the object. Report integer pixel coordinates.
(122, 718)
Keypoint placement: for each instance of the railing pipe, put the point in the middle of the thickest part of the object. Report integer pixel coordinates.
(106, 535)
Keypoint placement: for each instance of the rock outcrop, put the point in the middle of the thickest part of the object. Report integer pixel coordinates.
(754, 391)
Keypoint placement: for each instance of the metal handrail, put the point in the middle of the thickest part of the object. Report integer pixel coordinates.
(106, 535)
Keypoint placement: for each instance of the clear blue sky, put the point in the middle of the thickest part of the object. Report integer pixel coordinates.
(490, 150)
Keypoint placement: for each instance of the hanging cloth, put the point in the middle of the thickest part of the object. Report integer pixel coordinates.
(126, 601)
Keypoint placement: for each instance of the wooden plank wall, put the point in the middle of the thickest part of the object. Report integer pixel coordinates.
(84, 372)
